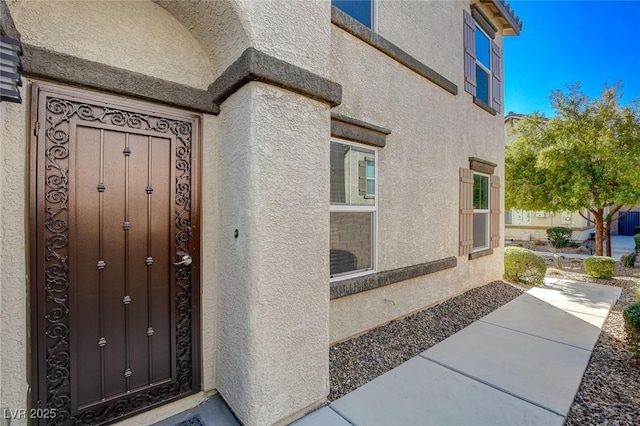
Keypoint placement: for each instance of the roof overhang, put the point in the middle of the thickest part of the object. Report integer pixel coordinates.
(503, 14)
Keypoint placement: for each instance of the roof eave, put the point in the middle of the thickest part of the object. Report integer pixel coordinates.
(507, 17)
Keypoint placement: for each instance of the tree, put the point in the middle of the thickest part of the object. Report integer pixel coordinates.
(586, 157)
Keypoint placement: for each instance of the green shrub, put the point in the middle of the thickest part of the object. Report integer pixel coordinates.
(559, 236)
(600, 266)
(631, 317)
(524, 265)
(629, 260)
(636, 239)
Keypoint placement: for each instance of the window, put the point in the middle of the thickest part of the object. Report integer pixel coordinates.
(353, 207)
(482, 61)
(479, 218)
(483, 66)
(362, 11)
(480, 212)
(518, 217)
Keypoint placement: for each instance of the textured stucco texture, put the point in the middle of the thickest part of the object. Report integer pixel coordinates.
(418, 196)
(266, 316)
(13, 255)
(274, 295)
(138, 36)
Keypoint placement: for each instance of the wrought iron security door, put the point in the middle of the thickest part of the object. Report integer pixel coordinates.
(115, 255)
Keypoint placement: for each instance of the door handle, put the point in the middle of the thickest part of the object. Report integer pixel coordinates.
(186, 260)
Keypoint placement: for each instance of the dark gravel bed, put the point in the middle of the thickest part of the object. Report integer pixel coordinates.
(357, 361)
(610, 390)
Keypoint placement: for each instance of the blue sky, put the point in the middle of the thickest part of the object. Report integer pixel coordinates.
(563, 42)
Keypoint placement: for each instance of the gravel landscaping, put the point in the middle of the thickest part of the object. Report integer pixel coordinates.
(610, 390)
(361, 359)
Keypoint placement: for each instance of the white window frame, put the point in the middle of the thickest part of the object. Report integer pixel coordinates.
(479, 63)
(374, 16)
(487, 211)
(361, 209)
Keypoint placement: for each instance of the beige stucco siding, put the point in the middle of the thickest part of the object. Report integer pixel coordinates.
(438, 45)
(267, 320)
(13, 255)
(138, 36)
(273, 278)
(433, 134)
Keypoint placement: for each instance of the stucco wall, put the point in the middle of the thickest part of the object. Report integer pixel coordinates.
(13, 256)
(433, 134)
(156, 45)
(297, 32)
(427, 30)
(274, 294)
(134, 35)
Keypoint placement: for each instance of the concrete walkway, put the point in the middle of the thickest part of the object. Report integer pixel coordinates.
(521, 364)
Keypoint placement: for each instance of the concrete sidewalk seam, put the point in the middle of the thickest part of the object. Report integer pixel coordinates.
(535, 335)
(491, 385)
(335, 410)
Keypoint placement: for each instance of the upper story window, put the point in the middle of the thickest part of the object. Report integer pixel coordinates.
(362, 11)
(353, 208)
(483, 66)
(482, 61)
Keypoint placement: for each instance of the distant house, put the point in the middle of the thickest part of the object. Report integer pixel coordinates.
(525, 225)
(201, 197)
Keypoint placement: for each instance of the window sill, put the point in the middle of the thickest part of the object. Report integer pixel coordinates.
(480, 253)
(350, 276)
(367, 282)
(484, 106)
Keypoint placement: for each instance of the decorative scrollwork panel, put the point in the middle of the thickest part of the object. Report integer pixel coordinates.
(61, 113)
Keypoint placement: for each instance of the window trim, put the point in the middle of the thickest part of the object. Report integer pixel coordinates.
(360, 209)
(486, 211)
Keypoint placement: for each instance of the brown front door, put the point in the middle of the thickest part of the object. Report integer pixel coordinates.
(114, 208)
